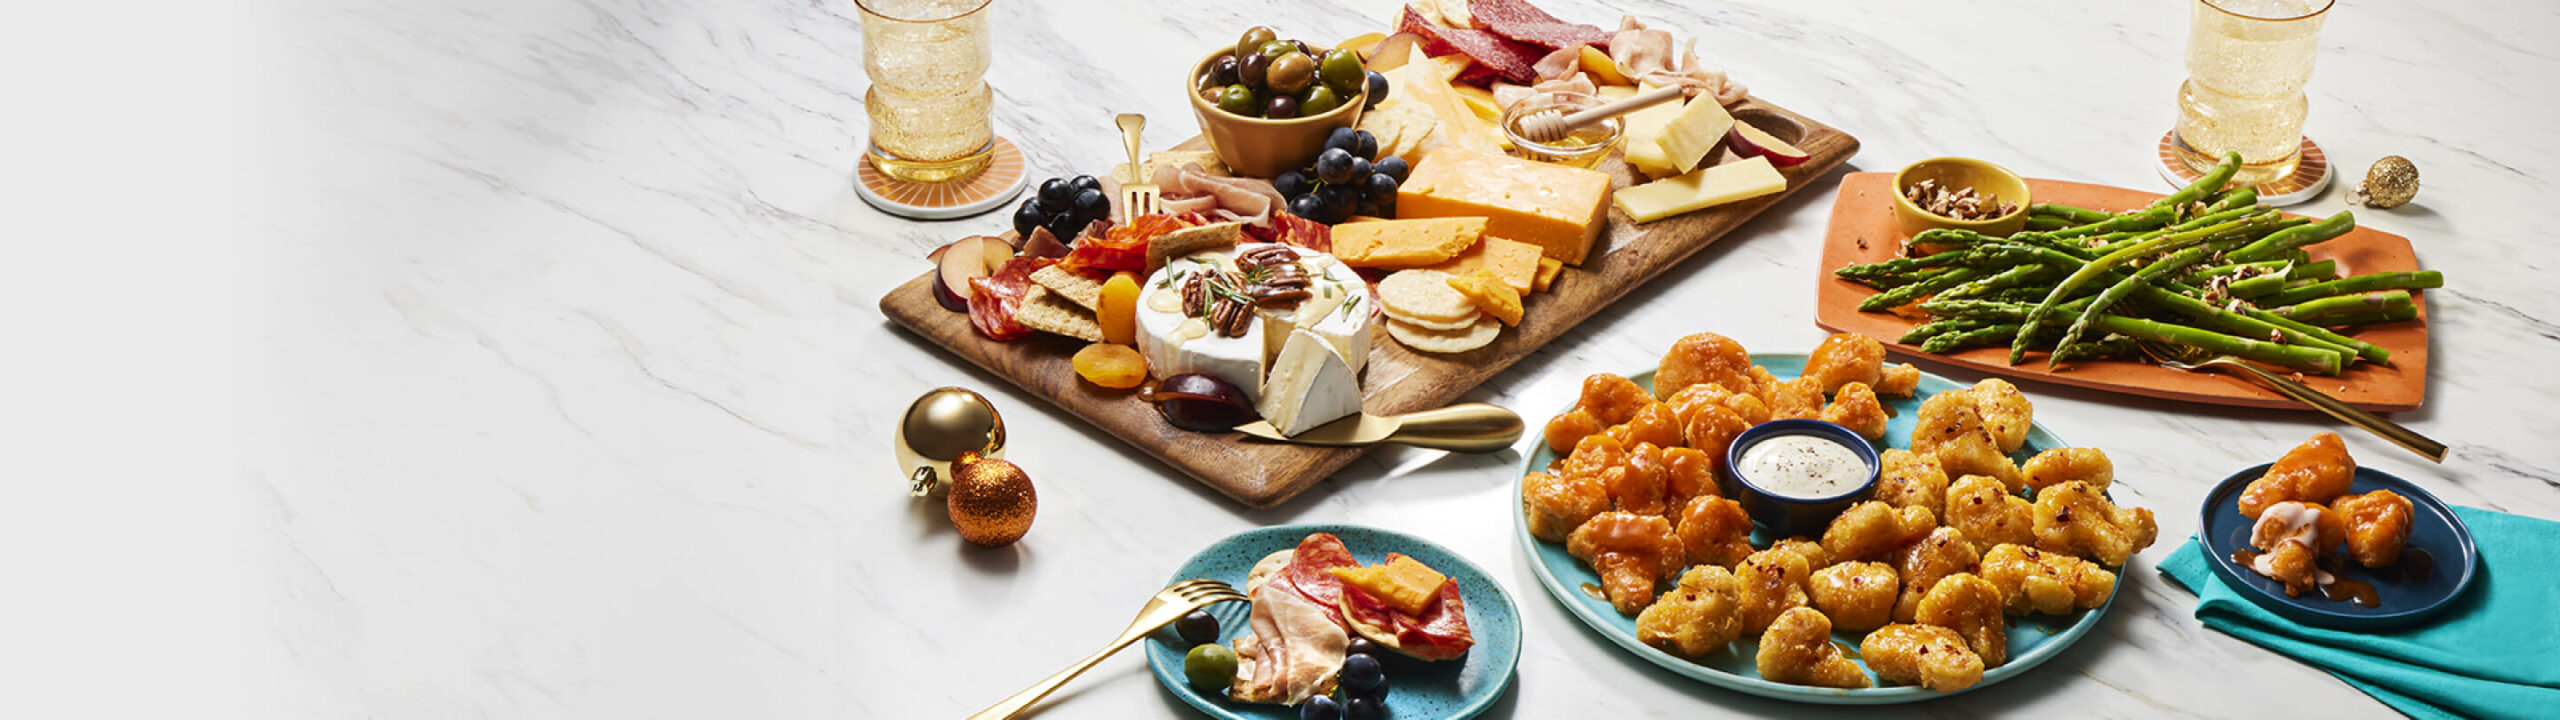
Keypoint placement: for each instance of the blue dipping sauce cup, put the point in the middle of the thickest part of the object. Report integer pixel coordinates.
(1784, 516)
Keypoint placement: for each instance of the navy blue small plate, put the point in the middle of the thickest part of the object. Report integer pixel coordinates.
(2406, 592)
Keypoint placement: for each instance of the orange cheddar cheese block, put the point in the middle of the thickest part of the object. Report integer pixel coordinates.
(1548, 269)
(1404, 583)
(1404, 244)
(1491, 295)
(1559, 209)
(1514, 262)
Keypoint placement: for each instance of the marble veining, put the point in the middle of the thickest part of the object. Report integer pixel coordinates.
(576, 400)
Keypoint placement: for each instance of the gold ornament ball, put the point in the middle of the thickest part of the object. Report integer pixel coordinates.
(991, 500)
(938, 428)
(2391, 183)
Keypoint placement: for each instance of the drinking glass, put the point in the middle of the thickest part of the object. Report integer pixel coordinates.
(2247, 61)
(927, 61)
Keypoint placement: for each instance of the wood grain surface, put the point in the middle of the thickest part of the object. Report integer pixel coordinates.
(1397, 380)
(1863, 231)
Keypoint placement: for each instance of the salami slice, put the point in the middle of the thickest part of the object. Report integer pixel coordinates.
(1290, 229)
(1439, 632)
(995, 298)
(1514, 60)
(1307, 574)
(1522, 22)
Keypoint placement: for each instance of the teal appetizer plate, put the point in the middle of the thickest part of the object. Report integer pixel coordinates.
(2033, 639)
(2435, 566)
(1460, 688)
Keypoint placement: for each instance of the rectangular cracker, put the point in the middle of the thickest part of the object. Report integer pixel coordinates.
(1049, 312)
(1079, 288)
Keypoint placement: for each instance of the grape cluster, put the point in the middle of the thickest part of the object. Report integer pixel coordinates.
(1064, 205)
(1361, 692)
(1345, 180)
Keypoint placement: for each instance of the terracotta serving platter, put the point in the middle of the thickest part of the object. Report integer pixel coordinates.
(1863, 231)
(1397, 380)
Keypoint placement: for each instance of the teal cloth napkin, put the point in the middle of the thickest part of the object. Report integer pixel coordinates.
(2494, 654)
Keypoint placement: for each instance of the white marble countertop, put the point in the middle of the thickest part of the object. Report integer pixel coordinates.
(569, 395)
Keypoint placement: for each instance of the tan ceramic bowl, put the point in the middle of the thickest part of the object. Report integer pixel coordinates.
(1256, 147)
(1958, 172)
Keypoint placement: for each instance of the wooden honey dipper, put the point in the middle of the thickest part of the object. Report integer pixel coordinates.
(1554, 124)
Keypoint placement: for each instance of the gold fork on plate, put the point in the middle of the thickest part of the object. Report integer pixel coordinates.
(1137, 196)
(1169, 604)
(2197, 360)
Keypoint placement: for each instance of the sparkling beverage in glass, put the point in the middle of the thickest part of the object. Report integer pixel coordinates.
(2247, 61)
(929, 99)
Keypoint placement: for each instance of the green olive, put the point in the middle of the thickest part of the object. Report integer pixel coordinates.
(1209, 666)
(1290, 74)
(1342, 70)
(1239, 99)
(1318, 101)
(1254, 39)
(1277, 48)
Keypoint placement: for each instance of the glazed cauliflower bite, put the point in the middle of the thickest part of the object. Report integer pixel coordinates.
(1556, 504)
(2005, 412)
(1945, 552)
(2317, 471)
(1703, 358)
(1797, 650)
(1815, 558)
(1630, 552)
(1872, 528)
(1696, 617)
(2034, 581)
(1744, 405)
(1925, 655)
(1800, 398)
(2377, 526)
(1607, 400)
(2062, 465)
(2076, 519)
(2292, 536)
(1641, 485)
(1952, 429)
(1900, 381)
(1688, 473)
(1971, 606)
(1858, 596)
(1843, 359)
(1772, 582)
(1857, 409)
(1714, 531)
(1911, 479)
(1712, 428)
(1985, 511)
(1654, 423)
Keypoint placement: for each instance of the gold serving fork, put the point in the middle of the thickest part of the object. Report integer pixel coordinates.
(1137, 196)
(2197, 360)
(1168, 605)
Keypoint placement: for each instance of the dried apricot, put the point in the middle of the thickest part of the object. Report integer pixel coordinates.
(1118, 311)
(1118, 367)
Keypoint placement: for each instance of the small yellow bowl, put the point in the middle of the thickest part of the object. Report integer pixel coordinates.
(1259, 147)
(1957, 173)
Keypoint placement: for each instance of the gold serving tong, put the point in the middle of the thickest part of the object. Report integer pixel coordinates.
(1168, 605)
(1137, 196)
(2197, 360)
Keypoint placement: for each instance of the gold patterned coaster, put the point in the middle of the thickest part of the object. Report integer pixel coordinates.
(1003, 179)
(2308, 178)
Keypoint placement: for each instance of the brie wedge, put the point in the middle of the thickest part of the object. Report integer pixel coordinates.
(1310, 385)
(1338, 315)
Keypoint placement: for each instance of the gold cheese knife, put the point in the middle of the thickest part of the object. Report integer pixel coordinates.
(1469, 427)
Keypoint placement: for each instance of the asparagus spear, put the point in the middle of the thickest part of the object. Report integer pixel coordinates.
(2314, 310)
(1898, 265)
(2047, 222)
(2369, 318)
(1901, 296)
(2256, 286)
(2298, 357)
(2295, 237)
(2107, 298)
(2090, 271)
(2243, 323)
(2323, 270)
(2419, 280)
(2074, 215)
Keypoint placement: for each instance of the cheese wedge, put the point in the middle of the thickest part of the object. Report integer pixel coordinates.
(1310, 385)
(1699, 129)
(1559, 209)
(1514, 262)
(1422, 81)
(1403, 583)
(1706, 188)
(1404, 244)
(1548, 269)
(1644, 138)
(1479, 100)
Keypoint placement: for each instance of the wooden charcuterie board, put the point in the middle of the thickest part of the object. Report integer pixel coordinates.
(1397, 380)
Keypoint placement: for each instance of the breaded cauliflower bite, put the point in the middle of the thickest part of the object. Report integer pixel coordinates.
(1870, 529)
(1772, 582)
(2062, 465)
(1714, 531)
(1843, 359)
(1925, 655)
(2035, 581)
(1797, 649)
(1696, 617)
(1945, 552)
(1969, 605)
(1984, 510)
(2317, 471)
(1911, 479)
(2076, 519)
(2377, 526)
(1858, 596)
(1631, 553)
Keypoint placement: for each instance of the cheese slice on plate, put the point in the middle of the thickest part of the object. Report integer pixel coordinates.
(1310, 385)
(1698, 129)
(1706, 188)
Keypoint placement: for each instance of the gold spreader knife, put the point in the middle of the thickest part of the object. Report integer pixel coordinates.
(1469, 428)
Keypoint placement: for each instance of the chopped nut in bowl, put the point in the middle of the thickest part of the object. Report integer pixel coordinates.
(1959, 193)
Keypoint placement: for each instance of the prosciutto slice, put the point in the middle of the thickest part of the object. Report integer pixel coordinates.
(1293, 651)
(1645, 55)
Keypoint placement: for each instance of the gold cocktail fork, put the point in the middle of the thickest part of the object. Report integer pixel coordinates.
(2196, 360)
(1168, 605)
(1138, 197)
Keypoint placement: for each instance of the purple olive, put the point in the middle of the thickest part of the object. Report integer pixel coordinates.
(950, 300)
(1202, 403)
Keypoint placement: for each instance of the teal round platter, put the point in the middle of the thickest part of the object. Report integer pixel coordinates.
(1460, 688)
(2033, 639)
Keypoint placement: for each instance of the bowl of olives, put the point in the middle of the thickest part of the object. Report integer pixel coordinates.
(1267, 104)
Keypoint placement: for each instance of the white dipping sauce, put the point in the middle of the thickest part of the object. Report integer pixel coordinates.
(1803, 466)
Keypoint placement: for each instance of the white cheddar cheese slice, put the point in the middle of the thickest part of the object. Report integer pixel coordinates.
(1698, 130)
(1310, 385)
(1705, 188)
(1644, 138)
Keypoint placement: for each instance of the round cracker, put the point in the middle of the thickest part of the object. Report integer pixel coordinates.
(1427, 340)
(1424, 295)
(1439, 325)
